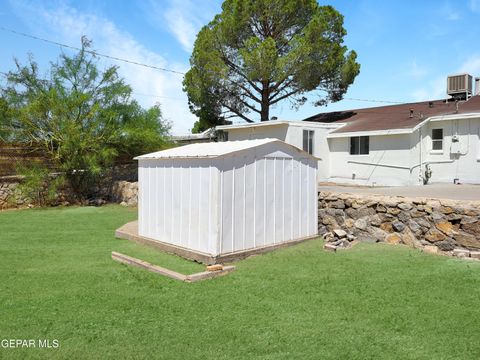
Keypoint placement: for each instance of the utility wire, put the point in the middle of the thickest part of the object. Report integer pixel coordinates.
(91, 51)
(146, 65)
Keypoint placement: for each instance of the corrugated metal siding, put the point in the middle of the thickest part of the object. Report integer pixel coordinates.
(177, 203)
(267, 201)
(233, 203)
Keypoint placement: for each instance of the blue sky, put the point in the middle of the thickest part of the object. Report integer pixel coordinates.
(405, 48)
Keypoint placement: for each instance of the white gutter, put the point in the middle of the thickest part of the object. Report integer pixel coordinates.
(280, 123)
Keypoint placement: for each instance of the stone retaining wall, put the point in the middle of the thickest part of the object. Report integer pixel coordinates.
(417, 222)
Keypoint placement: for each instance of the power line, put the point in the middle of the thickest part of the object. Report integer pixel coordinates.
(376, 101)
(91, 51)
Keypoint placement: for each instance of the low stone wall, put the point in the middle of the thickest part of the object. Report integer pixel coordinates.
(8, 184)
(125, 193)
(417, 222)
(122, 192)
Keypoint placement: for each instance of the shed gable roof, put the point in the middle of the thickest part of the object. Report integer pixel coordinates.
(213, 149)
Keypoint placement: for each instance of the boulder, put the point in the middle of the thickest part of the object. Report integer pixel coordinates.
(405, 206)
(339, 204)
(413, 225)
(361, 224)
(446, 245)
(434, 235)
(375, 220)
(393, 238)
(461, 253)
(445, 226)
(467, 240)
(398, 226)
(472, 228)
(340, 233)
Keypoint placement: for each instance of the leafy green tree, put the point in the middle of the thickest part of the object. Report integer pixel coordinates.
(80, 116)
(256, 53)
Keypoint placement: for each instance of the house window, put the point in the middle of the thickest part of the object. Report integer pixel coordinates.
(437, 139)
(308, 141)
(359, 145)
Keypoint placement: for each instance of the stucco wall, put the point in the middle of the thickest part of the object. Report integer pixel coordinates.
(258, 132)
(388, 162)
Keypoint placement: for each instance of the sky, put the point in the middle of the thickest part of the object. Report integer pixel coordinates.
(406, 48)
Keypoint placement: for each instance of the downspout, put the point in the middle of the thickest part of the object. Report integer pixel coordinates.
(420, 142)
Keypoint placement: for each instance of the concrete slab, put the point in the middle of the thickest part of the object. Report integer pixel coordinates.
(433, 191)
(129, 231)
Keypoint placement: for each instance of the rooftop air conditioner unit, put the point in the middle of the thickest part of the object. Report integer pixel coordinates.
(459, 84)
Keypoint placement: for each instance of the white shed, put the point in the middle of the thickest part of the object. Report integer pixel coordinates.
(214, 199)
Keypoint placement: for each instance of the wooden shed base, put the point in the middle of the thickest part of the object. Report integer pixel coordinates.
(204, 275)
(129, 231)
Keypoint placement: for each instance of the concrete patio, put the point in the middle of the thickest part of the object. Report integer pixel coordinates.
(433, 191)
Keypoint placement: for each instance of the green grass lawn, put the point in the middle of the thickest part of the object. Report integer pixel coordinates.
(57, 281)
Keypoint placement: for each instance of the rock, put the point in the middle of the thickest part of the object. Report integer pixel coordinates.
(328, 220)
(328, 236)
(393, 211)
(349, 223)
(377, 234)
(467, 240)
(469, 220)
(339, 204)
(461, 253)
(330, 247)
(434, 235)
(403, 217)
(409, 239)
(432, 249)
(446, 245)
(427, 209)
(365, 211)
(123, 203)
(423, 223)
(445, 226)
(398, 226)
(405, 206)
(446, 210)
(352, 213)
(475, 254)
(321, 228)
(350, 237)
(454, 217)
(340, 233)
(436, 216)
(472, 228)
(361, 224)
(356, 204)
(366, 237)
(393, 238)
(387, 227)
(413, 225)
(416, 214)
(381, 208)
(375, 220)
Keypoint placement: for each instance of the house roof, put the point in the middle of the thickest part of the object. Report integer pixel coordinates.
(394, 116)
(274, 123)
(212, 149)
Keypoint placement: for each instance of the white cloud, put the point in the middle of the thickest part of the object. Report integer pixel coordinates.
(183, 18)
(417, 71)
(449, 12)
(69, 24)
(436, 88)
(471, 66)
(474, 5)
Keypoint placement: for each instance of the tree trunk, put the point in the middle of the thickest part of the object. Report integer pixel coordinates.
(265, 110)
